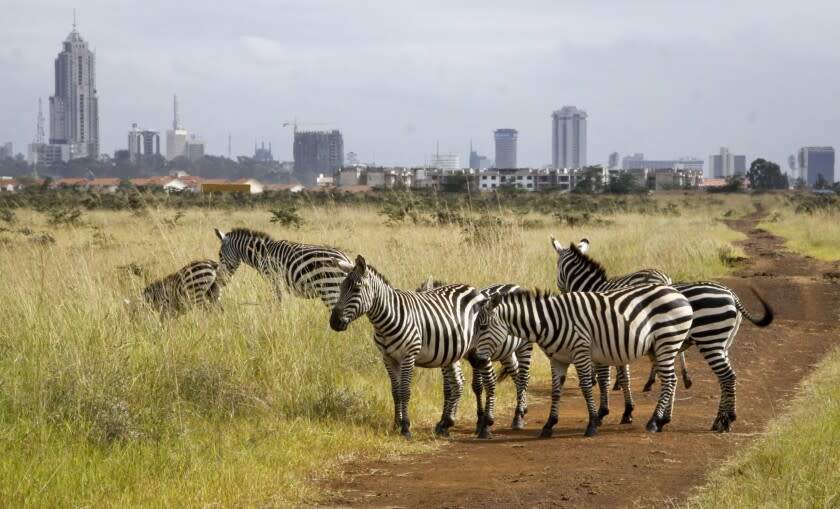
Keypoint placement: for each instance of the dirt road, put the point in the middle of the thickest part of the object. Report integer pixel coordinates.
(625, 466)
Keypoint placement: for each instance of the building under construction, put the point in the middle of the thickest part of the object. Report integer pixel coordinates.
(317, 152)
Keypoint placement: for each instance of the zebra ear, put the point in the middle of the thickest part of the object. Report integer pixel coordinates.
(583, 245)
(493, 303)
(430, 283)
(220, 234)
(557, 246)
(345, 267)
(361, 263)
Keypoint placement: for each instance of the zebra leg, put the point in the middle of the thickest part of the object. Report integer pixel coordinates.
(477, 385)
(668, 380)
(406, 373)
(651, 378)
(488, 377)
(558, 378)
(583, 365)
(719, 361)
(453, 382)
(623, 374)
(617, 385)
(684, 370)
(393, 368)
(602, 375)
(523, 354)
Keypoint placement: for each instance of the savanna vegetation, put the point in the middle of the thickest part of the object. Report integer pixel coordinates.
(105, 405)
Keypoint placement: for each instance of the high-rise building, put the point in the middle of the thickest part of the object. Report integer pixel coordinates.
(176, 138)
(142, 143)
(194, 148)
(317, 152)
(446, 162)
(478, 161)
(815, 162)
(263, 154)
(568, 138)
(7, 151)
(612, 163)
(74, 110)
(726, 164)
(637, 161)
(506, 147)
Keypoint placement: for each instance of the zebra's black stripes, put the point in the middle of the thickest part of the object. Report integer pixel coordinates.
(198, 282)
(305, 270)
(429, 329)
(716, 317)
(586, 328)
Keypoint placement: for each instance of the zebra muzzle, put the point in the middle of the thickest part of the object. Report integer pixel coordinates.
(337, 323)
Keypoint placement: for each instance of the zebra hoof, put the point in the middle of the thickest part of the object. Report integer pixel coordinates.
(655, 424)
(687, 383)
(722, 424)
(626, 419)
(485, 433)
(406, 435)
(518, 422)
(545, 433)
(591, 431)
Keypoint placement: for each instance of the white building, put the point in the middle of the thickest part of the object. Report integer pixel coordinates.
(446, 162)
(568, 138)
(142, 142)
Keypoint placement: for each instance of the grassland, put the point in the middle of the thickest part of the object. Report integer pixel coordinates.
(108, 407)
(811, 224)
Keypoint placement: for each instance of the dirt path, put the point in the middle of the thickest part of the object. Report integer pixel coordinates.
(625, 466)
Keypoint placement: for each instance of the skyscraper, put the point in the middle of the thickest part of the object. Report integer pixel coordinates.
(74, 109)
(176, 138)
(815, 162)
(142, 143)
(506, 147)
(726, 164)
(568, 138)
(317, 152)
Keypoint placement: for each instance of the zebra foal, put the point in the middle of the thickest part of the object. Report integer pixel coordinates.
(430, 329)
(586, 328)
(198, 282)
(305, 270)
(717, 312)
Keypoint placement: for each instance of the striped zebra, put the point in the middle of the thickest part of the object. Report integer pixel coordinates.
(602, 328)
(306, 270)
(515, 356)
(199, 282)
(429, 329)
(717, 314)
(584, 274)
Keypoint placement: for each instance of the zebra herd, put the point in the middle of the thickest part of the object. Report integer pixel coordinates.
(596, 323)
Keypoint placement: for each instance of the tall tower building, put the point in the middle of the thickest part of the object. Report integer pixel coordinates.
(74, 109)
(816, 162)
(568, 138)
(506, 147)
(317, 153)
(176, 138)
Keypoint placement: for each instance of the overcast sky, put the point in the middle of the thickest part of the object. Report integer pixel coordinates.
(667, 78)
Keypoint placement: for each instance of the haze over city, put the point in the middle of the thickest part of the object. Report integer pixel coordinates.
(661, 78)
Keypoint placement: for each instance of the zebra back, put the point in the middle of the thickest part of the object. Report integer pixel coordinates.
(306, 270)
(577, 272)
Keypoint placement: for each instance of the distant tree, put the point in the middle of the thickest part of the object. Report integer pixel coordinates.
(764, 174)
(624, 183)
(591, 181)
(822, 183)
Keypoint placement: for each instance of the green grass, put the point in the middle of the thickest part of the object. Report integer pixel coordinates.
(797, 463)
(816, 234)
(108, 407)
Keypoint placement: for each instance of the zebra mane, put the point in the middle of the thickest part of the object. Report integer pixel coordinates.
(536, 293)
(589, 263)
(378, 274)
(247, 232)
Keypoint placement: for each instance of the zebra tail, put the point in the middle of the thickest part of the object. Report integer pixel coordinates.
(764, 321)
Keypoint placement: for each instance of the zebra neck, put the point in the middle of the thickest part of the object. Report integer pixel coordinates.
(383, 308)
(528, 316)
(267, 257)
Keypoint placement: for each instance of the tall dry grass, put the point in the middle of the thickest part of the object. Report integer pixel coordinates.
(104, 406)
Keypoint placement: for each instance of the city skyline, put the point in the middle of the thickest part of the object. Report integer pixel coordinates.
(256, 72)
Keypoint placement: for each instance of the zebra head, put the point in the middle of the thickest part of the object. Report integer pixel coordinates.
(354, 299)
(228, 253)
(567, 261)
(490, 331)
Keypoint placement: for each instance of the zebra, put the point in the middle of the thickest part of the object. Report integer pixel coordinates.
(306, 270)
(717, 314)
(429, 329)
(198, 282)
(584, 274)
(515, 357)
(586, 328)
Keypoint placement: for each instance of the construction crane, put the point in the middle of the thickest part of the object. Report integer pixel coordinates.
(294, 123)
